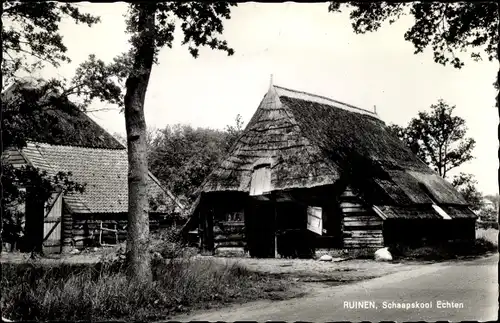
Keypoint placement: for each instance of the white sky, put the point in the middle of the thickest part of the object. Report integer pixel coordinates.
(306, 48)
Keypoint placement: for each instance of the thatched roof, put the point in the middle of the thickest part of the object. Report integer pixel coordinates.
(311, 141)
(59, 122)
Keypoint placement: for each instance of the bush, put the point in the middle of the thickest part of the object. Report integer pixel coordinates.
(170, 244)
(361, 253)
(99, 292)
(488, 234)
(450, 250)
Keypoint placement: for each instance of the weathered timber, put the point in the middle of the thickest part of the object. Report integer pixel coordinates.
(357, 209)
(79, 229)
(363, 227)
(228, 229)
(371, 233)
(361, 217)
(230, 244)
(358, 223)
(230, 237)
(352, 204)
(362, 240)
(363, 246)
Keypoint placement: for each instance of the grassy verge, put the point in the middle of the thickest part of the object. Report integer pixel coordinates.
(103, 292)
(486, 242)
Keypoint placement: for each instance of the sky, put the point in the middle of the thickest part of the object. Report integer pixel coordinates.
(305, 48)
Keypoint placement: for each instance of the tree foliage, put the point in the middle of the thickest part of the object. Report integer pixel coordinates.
(446, 27)
(490, 212)
(466, 185)
(438, 138)
(182, 156)
(30, 41)
(31, 37)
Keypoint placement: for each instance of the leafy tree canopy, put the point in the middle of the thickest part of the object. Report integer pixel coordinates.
(438, 138)
(182, 156)
(30, 33)
(466, 185)
(446, 27)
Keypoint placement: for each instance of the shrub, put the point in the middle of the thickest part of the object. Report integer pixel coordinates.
(450, 250)
(489, 234)
(361, 253)
(100, 292)
(170, 244)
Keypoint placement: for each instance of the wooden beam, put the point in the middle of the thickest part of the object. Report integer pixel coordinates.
(379, 212)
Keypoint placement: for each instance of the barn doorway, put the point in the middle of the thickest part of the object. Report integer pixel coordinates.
(260, 228)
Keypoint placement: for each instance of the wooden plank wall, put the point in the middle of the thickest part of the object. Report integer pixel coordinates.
(52, 226)
(361, 227)
(80, 231)
(229, 235)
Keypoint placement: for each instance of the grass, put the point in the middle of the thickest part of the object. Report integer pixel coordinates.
(489, 235)
(486, 242)
(103, 292)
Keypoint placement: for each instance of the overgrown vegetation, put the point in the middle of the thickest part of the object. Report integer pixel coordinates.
(181, 156)
(486, 242)
(439, 139)
(170, 244)
(102, 291)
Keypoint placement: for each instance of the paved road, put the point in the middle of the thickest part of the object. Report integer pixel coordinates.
(470, 285)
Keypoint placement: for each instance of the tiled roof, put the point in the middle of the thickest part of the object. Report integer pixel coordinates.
(104, 171)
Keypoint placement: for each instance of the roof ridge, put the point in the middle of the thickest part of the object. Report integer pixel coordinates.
(329, 99)
(75, 146)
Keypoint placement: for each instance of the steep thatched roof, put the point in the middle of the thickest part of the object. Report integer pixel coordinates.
(311, 141)
(59, 122)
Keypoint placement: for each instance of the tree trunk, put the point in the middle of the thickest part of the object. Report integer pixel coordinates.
(138, 258)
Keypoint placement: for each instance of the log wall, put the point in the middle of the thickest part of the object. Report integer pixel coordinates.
(229, 234)
(81, 231)
(361, 227)
(221, 224)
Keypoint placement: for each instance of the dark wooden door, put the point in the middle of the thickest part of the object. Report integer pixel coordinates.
(260, 228)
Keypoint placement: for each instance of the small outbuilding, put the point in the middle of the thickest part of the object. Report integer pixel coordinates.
(98, 216)
(62, 138)
(310, 172)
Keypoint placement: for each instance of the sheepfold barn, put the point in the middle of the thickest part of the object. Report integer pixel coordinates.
(310, 172)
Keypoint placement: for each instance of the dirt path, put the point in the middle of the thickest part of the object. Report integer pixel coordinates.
(309, 270)
(474, 284)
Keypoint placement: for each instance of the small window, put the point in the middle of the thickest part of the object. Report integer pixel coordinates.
(261, 180)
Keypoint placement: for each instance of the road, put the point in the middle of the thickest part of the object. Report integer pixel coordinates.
(469, 288)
